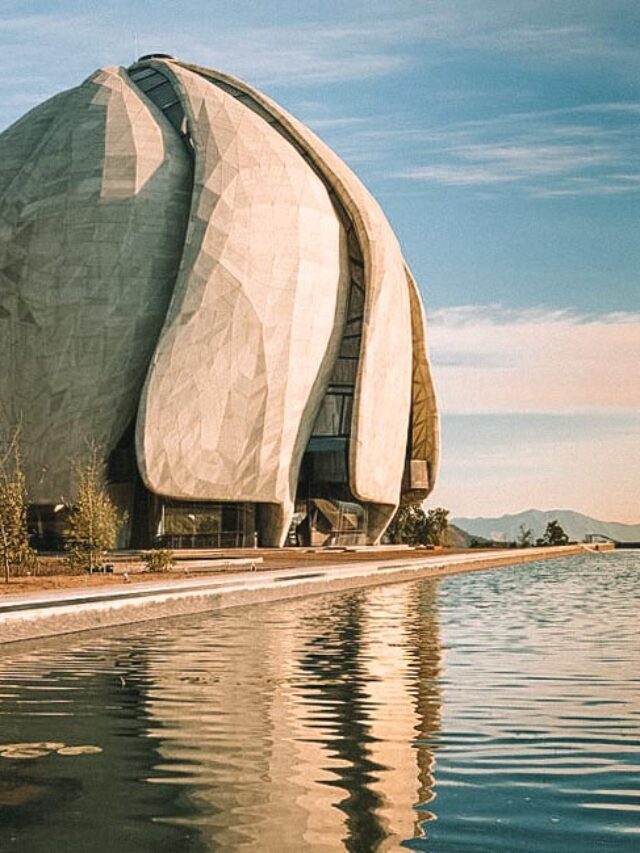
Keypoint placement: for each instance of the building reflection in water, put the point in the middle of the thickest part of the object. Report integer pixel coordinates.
(307, 725)
(84, 690)
(403, 660)
(312, 725)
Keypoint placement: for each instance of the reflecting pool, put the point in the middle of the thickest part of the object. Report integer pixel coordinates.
(494, 711)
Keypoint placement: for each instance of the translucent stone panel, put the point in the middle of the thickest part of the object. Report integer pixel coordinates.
(255, 321)
(188, 198)
(383, 384)
(424, 430)
(94, 191)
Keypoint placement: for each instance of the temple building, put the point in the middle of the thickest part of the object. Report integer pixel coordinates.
(192, 279)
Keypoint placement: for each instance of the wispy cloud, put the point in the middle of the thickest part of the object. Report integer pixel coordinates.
(587, 151)
(540, 409)
(367, 39)
(488, 359)
(338, 122)
(581, 150)
(374, 39)
(41, 53)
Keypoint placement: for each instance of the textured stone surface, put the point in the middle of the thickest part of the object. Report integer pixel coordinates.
(93, 194)
(424, 428)
(69, 611)
(204, 225)
(243, 359)
(383, 396)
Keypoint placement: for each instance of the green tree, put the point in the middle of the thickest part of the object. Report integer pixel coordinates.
(15, 551)
(403, 524)
(411, 525)
(94, 520)
(438, 526)
(553, 535)
(525, 537)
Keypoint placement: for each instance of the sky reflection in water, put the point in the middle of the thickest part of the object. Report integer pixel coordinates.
(495, 711)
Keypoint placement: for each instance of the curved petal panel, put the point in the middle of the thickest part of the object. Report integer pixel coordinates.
(20, 143)
(251, 332)
(383, 396)
(424, 430)
(382, 402)
(94, 198)
(171, 206)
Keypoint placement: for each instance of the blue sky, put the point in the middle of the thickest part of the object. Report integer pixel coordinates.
(501, 139)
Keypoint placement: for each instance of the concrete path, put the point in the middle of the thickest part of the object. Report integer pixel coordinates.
(45, 614)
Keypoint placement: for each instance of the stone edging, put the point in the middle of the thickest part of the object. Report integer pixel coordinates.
(64, 614)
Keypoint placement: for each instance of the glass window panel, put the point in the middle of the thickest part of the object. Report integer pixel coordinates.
(163, 95)
(328, 420)
(344, 371)
(354, 246)
(357, 277)
(194, 524)
(151, 82)
(191, 519)
(229, 517)
(350, 347)
(142, 73)
(330, 467)
(227, 87)
(347, 408)
(175, 114)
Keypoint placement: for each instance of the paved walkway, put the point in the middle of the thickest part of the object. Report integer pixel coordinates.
(43, 614)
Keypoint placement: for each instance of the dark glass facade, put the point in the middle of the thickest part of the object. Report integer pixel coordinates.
(47, 524)
(326, 511)
(198, 524)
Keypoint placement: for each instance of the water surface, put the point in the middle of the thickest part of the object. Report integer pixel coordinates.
(494, 711)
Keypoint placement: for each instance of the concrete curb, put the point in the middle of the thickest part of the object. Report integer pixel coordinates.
(33, 616)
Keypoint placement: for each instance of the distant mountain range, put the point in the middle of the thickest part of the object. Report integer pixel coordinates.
(459, 538)
(576, 526)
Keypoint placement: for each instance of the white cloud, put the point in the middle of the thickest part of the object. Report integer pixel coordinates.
(459, 176)
(490, 360)
(540, 408)
(591, 150)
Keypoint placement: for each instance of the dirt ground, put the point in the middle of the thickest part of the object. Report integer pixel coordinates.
(54, 574)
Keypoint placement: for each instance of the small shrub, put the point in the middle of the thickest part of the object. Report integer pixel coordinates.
(16, 555)
(94, 520)
(159, 560)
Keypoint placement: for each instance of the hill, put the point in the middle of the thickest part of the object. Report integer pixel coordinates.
(576, 525)
(459, 538)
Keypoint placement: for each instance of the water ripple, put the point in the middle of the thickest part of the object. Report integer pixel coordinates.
(493, 711)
